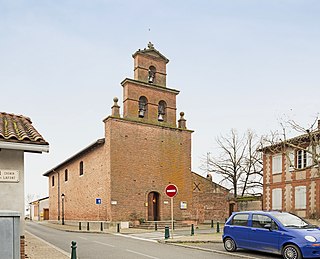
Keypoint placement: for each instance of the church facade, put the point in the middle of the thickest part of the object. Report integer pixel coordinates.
(123, 176)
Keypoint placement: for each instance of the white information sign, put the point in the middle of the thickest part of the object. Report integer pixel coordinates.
(11, 176)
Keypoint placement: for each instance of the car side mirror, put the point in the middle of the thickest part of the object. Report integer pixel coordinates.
(268, 226)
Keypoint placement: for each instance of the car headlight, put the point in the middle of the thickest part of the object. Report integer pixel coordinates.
(310, 238)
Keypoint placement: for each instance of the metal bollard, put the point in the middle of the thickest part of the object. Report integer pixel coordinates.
(88, 227)
(192, 230)
(79, 225)
(73, 250)
(155, 226)
(218, 227)
(101, 226)
(166, 233)
(212, 224)
(118, 227)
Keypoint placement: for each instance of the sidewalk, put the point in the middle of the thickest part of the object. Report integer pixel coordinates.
(37, 248)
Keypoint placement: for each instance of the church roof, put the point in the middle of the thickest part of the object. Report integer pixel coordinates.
(19, 129)
(151, 51)
(89, 148)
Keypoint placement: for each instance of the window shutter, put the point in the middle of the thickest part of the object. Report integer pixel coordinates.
(277, 199)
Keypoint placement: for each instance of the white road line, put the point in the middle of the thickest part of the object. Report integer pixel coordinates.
(134, 252)
(138, 238)
(83, 238)
(103, 243)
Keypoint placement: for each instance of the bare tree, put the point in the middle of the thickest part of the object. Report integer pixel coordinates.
(307, 143)
(239, 163)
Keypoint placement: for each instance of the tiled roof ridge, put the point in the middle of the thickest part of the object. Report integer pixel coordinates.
(18, 128)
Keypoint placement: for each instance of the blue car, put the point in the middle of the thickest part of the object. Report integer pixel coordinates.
(273, 231)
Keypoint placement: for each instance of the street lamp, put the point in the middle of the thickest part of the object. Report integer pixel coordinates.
(62, 201)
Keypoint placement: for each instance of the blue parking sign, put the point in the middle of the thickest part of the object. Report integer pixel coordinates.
(98, 201)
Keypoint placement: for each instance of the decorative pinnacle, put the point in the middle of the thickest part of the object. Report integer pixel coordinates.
(150, 45)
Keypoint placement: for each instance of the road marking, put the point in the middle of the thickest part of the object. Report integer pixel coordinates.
(103, 243)
(216, 251)
(83, 238)
(134, 252)
(138, 238)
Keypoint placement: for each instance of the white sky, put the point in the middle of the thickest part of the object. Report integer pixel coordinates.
(238, 64)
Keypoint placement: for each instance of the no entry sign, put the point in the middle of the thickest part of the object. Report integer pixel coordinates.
(171, 190)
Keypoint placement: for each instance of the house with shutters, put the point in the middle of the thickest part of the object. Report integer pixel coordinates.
(291, 175)
(123, 176)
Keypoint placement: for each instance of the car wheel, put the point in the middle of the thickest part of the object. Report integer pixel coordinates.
(291, 252)
(229, 244)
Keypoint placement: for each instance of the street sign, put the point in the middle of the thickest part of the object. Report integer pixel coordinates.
(171, 190)
(98, 201)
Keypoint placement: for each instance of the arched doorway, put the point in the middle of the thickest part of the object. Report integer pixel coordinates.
(153, 206)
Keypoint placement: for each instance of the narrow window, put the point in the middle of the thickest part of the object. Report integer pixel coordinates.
(300, 197)
(277, 164)
(81, 168)
(66, 175)
(301, 159)
(152, 74)
(277, 199)
(162, 111)
(143, 102)
(52, 181)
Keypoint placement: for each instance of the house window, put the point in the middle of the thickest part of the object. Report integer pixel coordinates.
(81, 168)
(277, 199)
(277, 164)
(301, 197)
(52, 181)
(66, 175)
(162, 110)
(143, 105)
(301, 159)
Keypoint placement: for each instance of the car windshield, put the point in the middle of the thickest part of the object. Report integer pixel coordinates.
(292, 221)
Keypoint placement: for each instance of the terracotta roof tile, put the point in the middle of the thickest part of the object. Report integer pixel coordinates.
(18, 128)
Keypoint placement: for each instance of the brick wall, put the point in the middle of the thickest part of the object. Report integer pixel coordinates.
(22, 247)
(145, 159)
(81, 191)
(210, 200)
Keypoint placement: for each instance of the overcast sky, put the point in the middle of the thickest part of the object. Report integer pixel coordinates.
(241, 64)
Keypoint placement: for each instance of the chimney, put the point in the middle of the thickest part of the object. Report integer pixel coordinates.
(115, 108)
(182, 121)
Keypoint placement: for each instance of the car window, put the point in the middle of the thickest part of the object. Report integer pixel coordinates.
(240, 220)
(291, 220)
(259, 221)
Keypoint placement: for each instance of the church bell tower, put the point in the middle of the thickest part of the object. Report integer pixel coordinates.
(146, 97)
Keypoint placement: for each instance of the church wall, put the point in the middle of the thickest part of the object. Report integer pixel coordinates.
(145, 159)
(81, 191)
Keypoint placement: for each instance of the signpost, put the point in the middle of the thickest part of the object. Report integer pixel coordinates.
(98, 202)
(171, 191)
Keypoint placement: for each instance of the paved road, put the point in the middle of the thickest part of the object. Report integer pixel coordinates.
(240, 252)
(99, 246)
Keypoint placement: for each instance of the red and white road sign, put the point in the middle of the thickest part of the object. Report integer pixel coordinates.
(171, 190)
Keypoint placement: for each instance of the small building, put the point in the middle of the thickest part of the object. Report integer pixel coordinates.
(17, 135)
(291, 179)
(122, 176)
(39, 209)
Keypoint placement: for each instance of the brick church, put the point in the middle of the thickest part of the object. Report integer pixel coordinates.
(122, 177)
